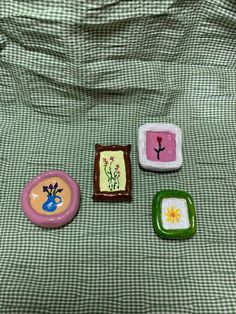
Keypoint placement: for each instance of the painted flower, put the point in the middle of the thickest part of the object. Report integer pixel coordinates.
(105, 161)
(52, 190)
(173, 215)
(45, 188)
(112, 173)
(35, 196)
(159, 139)
(159, 149)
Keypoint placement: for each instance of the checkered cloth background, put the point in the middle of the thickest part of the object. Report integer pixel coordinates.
(76, 73)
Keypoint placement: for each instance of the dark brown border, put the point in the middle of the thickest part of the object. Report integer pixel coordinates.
(112, 196)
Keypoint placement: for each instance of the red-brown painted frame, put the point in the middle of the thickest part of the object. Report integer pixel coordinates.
(118, 195)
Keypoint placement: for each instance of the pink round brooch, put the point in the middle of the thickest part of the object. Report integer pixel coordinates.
(51, 199)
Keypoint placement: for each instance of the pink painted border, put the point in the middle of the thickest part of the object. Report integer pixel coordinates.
(57, 220)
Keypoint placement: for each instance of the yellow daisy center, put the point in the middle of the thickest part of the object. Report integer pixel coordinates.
(173, 215)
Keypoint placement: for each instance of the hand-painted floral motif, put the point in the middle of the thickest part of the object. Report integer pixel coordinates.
(52, 198)
(112, 171)
(173, 215)
(160, 148)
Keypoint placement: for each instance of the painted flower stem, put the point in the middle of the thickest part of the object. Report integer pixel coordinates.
(160, 148)
(112, 174)
(52, 190)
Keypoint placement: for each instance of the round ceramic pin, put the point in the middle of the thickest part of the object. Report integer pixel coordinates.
(51, 199)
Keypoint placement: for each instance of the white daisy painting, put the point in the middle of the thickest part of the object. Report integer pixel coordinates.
(174, 213)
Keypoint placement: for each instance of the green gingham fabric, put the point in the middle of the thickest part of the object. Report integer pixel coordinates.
(76, 73)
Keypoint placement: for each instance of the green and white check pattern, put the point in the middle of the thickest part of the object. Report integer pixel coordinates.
(76, 73)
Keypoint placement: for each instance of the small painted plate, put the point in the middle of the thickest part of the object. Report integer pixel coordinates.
(173, 214)
(160, 146)
(112, 173)
(51, 199)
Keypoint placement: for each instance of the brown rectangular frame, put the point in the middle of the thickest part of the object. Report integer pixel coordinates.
(118, 195)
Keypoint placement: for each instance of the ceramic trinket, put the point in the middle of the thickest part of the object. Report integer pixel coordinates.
(173, 214)
(112, 173)
(160, 146)
(51, 199)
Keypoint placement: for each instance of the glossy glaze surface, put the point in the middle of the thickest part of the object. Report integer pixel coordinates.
(176, 209)
(58, 198)
(160, 146)
(112, 173)
(49, 202)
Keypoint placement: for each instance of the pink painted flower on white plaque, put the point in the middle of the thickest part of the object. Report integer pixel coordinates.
(160, 146)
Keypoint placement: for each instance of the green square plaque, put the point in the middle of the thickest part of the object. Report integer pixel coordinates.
(173, 214)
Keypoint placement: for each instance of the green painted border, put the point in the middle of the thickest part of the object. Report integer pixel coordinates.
(156, 215)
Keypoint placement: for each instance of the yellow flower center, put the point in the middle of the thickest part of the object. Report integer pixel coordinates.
(173, 215)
